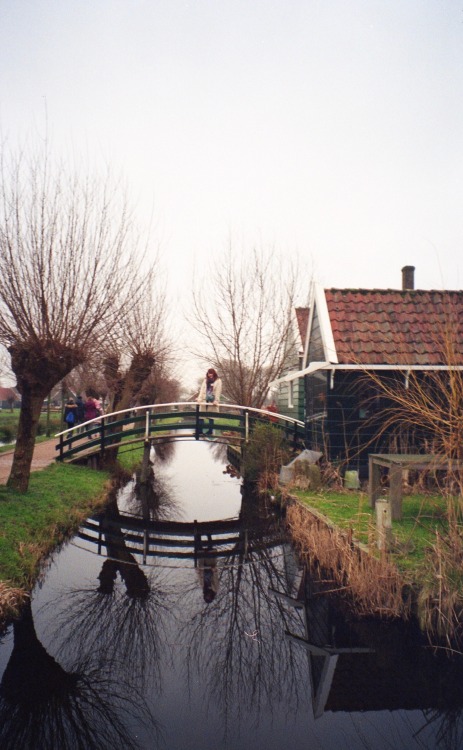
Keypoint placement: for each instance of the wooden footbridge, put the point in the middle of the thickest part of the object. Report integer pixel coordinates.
(165, 423)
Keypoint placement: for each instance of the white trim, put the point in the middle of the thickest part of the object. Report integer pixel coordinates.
(295, 374)
(329, 348)
(314, 366)
(291, 394)
(309, 323)
(296, 332)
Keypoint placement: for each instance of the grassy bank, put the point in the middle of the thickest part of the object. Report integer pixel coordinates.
(32, 525)
(412, 536)
(420, 572)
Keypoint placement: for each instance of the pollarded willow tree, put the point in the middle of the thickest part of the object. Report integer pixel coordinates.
(69, 269)
(243, 312)
(138, 349)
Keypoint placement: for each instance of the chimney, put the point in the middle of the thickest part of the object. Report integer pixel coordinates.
(408, 277)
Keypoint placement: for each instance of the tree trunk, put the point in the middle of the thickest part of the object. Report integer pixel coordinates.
(29, 416)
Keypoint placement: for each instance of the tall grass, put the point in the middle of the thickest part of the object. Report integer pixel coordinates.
(441, 593)
(375, 586)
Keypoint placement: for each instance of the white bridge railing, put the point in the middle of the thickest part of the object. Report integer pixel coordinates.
(232, 424)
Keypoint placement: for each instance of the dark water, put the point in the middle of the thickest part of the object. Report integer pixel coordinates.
(211, 642)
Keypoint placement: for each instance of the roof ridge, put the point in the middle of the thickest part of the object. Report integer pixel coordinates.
(389, 290)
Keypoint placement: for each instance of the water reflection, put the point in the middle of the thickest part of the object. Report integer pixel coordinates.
(44, 705)
(121, 618)
(203, 634)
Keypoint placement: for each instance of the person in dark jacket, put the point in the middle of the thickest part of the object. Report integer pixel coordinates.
(70, 413)
(80, 409)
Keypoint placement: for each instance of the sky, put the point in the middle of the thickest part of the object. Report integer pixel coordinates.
(330, 130)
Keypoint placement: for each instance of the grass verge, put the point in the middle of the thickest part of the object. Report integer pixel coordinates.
(426, 551)
(32, 525)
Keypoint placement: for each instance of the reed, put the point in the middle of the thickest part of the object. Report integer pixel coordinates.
(373, 585)
(441, 594)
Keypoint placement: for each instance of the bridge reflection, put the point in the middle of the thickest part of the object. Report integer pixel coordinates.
(114, 533)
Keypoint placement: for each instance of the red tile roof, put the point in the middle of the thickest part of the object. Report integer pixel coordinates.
(9, 394)
(302, 317)
(385, 326)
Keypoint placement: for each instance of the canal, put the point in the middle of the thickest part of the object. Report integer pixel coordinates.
(180, 618)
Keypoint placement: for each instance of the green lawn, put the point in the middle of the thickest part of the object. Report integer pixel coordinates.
(412, 536)
(32, 524)
(9, 425)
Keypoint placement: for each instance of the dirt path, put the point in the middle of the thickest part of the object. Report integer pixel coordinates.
(44, 454)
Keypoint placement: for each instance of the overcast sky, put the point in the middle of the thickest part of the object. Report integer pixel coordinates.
(331, 129)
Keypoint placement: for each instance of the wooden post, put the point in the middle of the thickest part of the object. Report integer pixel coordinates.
(102, 438)
(374, 480)
(61, 448)
(383, 523)
(395, 491)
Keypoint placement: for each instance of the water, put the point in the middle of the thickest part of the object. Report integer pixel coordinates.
(207, 650)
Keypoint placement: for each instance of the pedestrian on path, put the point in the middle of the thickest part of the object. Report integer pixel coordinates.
(70, 413)
(80, 409)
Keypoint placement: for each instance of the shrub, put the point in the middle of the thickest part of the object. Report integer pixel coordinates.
(265, 453)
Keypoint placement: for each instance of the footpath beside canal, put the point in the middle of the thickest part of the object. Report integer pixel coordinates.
(44, 455)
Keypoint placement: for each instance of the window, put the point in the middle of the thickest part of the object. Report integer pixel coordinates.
(291, 394)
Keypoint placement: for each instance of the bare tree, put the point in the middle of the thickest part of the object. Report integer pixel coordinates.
(138, 350)
(243, 314)
(69, 267)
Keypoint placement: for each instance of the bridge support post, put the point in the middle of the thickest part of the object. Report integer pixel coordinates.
(61, 448)
(102, 437)
(147, 423)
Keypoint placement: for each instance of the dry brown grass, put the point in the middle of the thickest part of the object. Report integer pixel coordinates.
(441, 596)
(374, 585)
(11, 600)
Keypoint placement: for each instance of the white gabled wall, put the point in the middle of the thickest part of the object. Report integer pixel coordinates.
(321, 308)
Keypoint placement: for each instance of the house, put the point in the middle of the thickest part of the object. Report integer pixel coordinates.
(355, 336)
(290, 400)
(9, 398)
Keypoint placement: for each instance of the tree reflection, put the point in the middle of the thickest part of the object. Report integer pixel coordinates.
(119, 622)
(43, 705)
(236, 641)
(149, 496)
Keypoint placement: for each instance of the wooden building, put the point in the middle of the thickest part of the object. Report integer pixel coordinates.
(291, 393)
(359, 337)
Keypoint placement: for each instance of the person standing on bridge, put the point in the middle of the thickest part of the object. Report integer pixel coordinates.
(210, 392)
(80, 410)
